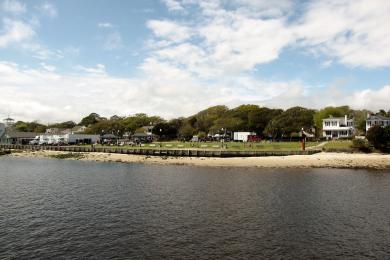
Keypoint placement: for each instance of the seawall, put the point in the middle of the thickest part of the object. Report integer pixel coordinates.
(159, 152)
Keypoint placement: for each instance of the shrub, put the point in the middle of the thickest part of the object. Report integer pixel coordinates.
(379, 137)
(361, 145)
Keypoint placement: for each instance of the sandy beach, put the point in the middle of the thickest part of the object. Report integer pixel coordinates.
(319, 160)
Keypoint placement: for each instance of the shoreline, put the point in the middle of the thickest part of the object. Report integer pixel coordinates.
(318, 160)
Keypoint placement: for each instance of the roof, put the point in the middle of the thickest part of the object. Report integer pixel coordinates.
(21, 135)
(109, 136)
(334, 118)
(141, 135)
(376, 117)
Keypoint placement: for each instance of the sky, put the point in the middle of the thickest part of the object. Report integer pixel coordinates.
(61, 60)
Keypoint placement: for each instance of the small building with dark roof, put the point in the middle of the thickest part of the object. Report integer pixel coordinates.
(109, 138)
(20, 137)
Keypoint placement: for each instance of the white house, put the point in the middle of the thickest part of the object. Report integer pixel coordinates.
(337, 127)
(242, 136)
(376, 120)
(48, 139)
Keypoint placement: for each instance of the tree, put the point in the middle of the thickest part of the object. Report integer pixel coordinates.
(290, 121)
(21, 126)
(132, 123)
(382, 112)
(258, 119)
(165, 131)
(106, 127)
(90, 119)
(379, 137)
(29, 127)
(206, 118)
(186, 131)
(63, 125)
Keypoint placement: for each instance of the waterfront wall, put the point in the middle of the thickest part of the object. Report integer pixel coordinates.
(160, 152)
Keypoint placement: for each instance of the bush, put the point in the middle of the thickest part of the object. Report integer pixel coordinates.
(379, 137)
(361, 145)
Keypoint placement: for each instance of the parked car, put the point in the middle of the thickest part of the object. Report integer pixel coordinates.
(34, 142)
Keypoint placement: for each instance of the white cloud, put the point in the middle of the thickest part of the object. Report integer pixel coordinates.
(169, 30)
(161, 89)
(14, 31)
(48, 9)
(13, 6)
(40, 51)
(105, 25)
(99, 69)
(48, 67)
(228, 43)
(207, 59)
(173, 5)
(71, 51)
(354, 32)
(244, 33)
(263, 8)
(113, 41)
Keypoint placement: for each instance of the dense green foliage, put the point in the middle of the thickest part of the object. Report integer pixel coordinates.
(379, 137)
(29, 127)
(290, 121)
(91, 119)
(361, 145)
(63, 125)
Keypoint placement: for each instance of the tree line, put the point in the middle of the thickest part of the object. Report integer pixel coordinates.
(266, 122)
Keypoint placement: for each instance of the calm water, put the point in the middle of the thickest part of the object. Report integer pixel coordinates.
(57, 209)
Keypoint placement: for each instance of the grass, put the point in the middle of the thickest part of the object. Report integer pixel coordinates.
(232, 146)
(76, 156)
(338, 146)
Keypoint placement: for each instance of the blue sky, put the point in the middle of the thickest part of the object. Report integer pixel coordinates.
(61, 60)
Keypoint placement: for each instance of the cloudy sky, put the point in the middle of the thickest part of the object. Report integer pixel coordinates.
(61, 60)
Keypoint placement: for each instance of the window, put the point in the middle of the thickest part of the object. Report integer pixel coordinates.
(327, 123)
(334, 123)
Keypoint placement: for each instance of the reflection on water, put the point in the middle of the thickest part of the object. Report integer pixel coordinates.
(78, 210)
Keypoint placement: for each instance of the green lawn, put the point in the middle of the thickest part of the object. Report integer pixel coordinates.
(237, 146)
(338, 145)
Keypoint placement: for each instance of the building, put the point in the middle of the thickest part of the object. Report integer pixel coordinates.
(53, 131)
(338, 127)
(242, 136)
(2, 133)
(142, 138)
(376, 120)
(23, 138)
(63, 139)
(109, 139)
(9, 122)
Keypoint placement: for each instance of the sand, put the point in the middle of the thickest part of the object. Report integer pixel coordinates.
(319, 160)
